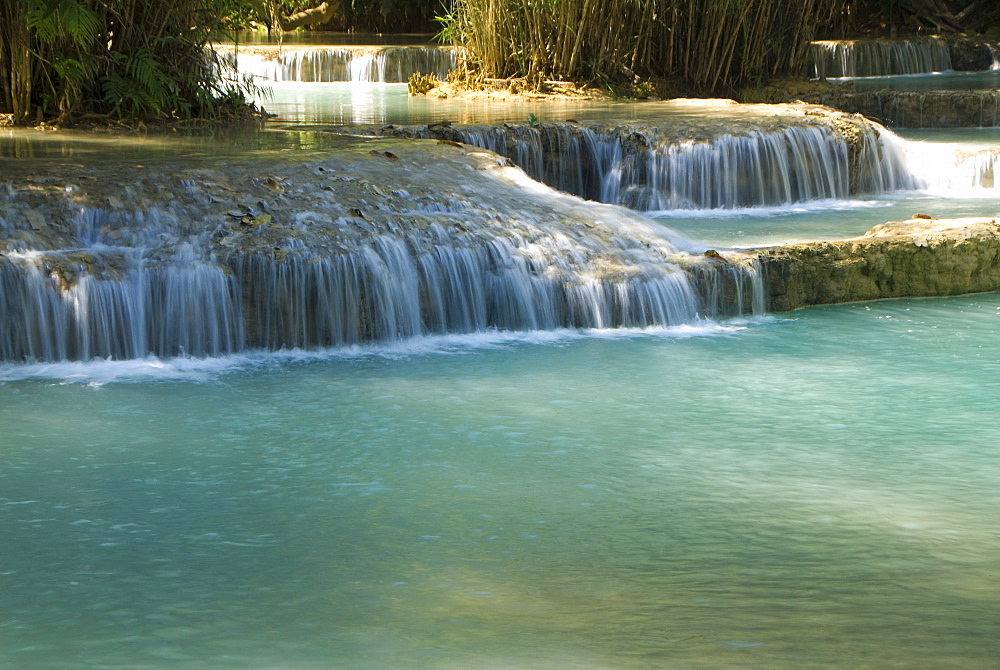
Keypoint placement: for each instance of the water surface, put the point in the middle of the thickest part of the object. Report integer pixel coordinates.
(819, 490)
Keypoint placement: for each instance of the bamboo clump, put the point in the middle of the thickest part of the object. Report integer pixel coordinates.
(706, 46)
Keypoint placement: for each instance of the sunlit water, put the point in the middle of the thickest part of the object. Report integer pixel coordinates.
(816, 220)
(839, 219)
(816, 490)
(380, 104)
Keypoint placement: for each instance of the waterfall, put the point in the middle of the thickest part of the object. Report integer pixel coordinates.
(346, 64)
(874, 58)
(955, 169)
(365, 244)
(760, 168)
(884, 165)
(184, 307)
(384, 290)
(649, 169)
(493, 251)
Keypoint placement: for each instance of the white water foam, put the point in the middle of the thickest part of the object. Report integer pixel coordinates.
(955, 169)
(98, 372)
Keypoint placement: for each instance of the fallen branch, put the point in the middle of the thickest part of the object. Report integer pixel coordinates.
(321, 13)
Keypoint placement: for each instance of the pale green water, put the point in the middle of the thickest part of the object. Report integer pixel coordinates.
(822, 220)
(343, 103)
(816, 491)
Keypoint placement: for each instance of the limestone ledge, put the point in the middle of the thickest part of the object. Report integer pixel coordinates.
(661, 123)
(915, 258)
(309, 205)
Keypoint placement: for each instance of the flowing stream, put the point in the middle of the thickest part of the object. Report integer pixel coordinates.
(696, 488)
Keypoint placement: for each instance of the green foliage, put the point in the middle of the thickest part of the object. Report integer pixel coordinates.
(55, 19)
(420, 83)
(139, 85)
(136, 59)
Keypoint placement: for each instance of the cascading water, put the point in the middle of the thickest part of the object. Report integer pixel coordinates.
(650, 169)
(301, 269)
(347, 64)
(372, 245)
(385, 291)
(58, 307)
(955, 169)
(874, 58)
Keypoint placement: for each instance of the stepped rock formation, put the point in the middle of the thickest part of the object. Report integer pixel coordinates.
(695, 154)
(369, 240)
(372, 239)
(901, 108)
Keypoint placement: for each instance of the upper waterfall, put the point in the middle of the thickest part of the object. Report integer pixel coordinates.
(762, 155)
(385, 64)
(874, 58)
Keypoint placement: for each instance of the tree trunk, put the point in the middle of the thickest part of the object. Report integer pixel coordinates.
(15, 63)
(321, 13)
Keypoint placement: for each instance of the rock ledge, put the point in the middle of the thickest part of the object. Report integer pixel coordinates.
(920, 257)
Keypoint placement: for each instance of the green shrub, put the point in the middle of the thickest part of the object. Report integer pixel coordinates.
(62, 60)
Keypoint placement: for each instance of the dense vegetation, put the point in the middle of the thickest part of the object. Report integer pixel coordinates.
(140, 59)
(131, 59)
(704, 45)
(386, 16)
(902, 17)
(700, 46)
